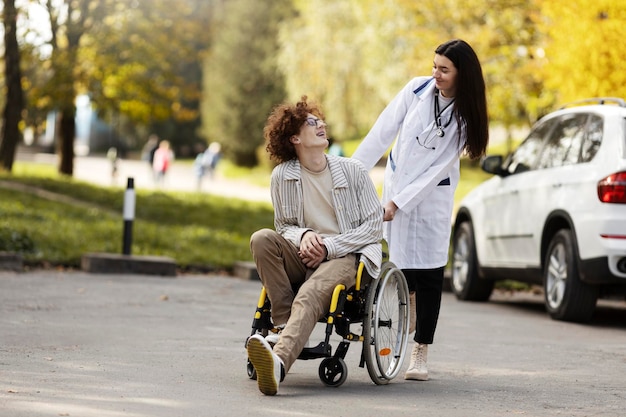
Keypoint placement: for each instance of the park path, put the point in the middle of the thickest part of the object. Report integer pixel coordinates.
(181, 177)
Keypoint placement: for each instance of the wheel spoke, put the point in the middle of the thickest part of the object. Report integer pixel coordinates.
(387, 328)
(460, 263)
(387, 331)
(556, 281)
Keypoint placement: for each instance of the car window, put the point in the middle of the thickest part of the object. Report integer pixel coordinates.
(525, 156)
(593, 139)
(565, 142)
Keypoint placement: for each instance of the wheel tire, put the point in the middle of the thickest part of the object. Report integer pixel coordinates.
(386, 324)
(466, 284)
(250, 369)
(567, 297)
(333, 372)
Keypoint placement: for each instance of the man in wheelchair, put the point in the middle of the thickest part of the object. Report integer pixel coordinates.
(326, 214)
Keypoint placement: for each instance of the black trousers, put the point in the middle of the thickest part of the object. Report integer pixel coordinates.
(428, 285)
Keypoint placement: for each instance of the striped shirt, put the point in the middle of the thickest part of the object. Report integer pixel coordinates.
(355, 201)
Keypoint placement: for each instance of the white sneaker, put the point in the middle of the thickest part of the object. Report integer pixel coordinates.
(274, 335)
(417, 368)
(269, 367)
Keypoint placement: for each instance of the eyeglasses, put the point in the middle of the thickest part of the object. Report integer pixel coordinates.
(312, 121)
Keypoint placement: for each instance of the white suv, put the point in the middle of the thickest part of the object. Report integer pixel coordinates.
(553, 214)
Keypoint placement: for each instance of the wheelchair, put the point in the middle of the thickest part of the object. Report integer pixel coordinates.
(380, 306)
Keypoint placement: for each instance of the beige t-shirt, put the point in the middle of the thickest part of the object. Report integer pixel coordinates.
(319, 213)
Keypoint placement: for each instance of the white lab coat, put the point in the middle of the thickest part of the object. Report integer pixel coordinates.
(418, 237)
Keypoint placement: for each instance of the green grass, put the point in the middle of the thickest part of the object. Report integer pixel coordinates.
(198, 230)
(259, 175)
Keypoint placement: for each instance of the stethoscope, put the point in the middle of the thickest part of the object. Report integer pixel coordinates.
(438, 123)
(439, 132)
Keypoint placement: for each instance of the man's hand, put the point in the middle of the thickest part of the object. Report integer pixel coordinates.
(312, 250)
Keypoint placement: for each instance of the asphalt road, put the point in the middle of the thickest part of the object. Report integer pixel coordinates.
(91, 345)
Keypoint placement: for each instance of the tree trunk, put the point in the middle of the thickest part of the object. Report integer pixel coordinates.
(12, 113)
(66, 140)
(64, 65)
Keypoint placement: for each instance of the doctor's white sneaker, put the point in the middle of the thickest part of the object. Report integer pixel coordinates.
(417, 367)
(269, 368)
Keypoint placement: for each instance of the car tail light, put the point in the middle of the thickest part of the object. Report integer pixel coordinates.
(612, 189)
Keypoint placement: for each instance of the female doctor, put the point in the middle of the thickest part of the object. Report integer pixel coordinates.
(434, 120)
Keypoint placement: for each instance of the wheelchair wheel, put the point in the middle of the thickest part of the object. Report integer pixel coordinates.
(333, 372)
(250, 369)
(386, 324)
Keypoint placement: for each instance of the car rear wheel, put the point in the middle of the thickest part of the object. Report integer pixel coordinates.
(567, 297)
(466, 284)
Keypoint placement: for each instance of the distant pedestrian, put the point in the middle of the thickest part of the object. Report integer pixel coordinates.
(206, 162)
(113, 157)
(211, 158)
(148, 150)
(163, 158)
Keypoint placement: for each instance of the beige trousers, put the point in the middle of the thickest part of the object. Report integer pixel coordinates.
(281, 270)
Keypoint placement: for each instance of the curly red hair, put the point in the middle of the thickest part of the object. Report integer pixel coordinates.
(285, 121)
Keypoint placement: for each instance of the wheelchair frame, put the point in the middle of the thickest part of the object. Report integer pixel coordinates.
(381, 306)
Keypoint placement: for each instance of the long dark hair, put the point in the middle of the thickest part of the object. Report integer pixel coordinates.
(470, 98)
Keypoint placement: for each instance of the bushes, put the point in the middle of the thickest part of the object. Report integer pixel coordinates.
(14, 241)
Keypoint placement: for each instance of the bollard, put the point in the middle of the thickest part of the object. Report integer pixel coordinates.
(129, 216)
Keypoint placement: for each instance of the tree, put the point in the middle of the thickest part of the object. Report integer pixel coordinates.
(12, 114)
(585, 48)
(242, 78)
(144, 62)
(349, 56)
(139, 62)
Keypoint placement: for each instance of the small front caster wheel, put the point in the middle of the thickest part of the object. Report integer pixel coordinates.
(333, 372)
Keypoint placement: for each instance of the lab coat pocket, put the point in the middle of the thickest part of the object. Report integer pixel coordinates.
(442, 196)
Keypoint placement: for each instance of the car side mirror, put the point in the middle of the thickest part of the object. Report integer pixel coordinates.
(492, 164)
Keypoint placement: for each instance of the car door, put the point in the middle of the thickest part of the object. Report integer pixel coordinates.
(504, 218)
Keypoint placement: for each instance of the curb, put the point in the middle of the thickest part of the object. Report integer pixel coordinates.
(11, 261)
(109, 263)
(246, 270)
